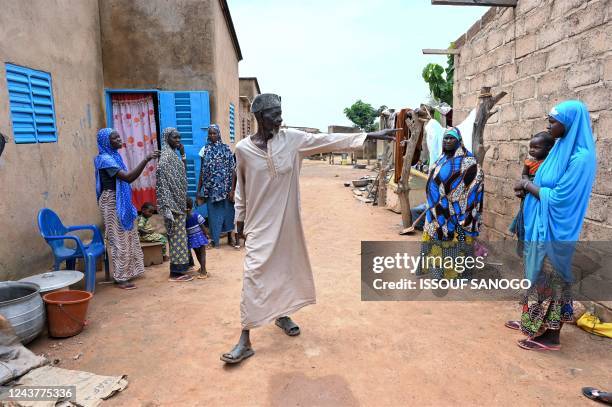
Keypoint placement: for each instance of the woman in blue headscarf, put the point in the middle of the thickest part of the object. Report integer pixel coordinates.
(115, 201)
(554, 209)
(216, 185)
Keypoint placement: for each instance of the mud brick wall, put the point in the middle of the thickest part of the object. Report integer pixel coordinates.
(540, 53)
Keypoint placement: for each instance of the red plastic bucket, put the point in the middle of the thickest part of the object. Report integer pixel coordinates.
(66, 311)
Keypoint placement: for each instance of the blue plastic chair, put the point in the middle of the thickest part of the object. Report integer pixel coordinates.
(56, 234)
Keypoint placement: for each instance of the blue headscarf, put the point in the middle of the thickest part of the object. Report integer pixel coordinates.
(108, 157)
(565, 178)
(217, 170)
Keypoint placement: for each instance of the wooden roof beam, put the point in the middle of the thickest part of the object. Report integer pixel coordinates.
(491, 3)
(450, 51)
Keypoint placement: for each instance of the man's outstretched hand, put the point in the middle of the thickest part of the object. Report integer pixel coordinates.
(386, 135)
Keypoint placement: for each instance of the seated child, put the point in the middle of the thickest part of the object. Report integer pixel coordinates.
(147, 232)
(197, 237)
(539, 147)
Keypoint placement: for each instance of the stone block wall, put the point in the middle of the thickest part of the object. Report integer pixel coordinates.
(541, 53)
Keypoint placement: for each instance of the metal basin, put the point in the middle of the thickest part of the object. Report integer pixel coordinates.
(22, 305)
(358, 183)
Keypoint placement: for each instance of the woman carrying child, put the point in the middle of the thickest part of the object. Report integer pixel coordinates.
(555, 205)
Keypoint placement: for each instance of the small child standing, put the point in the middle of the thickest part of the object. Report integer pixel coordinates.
(146, 231)
(196, 237)
(539, 147)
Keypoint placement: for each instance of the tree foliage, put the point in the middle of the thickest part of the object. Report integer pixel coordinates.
(362, 115)
(440, 80)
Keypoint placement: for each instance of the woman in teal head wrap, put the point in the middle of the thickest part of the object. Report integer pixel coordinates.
(454, 190)
(554, 209)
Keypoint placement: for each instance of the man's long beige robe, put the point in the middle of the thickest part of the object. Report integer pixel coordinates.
(277, 275)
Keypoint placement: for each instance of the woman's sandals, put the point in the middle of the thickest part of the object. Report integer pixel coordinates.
(288, 326)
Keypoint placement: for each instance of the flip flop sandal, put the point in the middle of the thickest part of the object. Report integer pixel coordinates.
(290, 328)
(589, 392)
(182, 278)
(516, 325)
(247, 353)
(530, 344)
(203, 276)
(126, 286)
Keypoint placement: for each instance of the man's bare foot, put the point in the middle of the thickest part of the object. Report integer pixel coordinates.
(288, 326)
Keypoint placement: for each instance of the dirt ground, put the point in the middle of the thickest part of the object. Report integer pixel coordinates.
(167, 337)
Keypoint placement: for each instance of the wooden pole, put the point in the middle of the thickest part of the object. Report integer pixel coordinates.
(483, 113)
(415, 125)
(490, 3)
(432, 51)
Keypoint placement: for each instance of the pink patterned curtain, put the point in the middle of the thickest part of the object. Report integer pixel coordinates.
(134, 119)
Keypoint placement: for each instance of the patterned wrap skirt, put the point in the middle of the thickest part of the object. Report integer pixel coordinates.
(177, 240)
(123, 245)
(547, 304)
(441, 257)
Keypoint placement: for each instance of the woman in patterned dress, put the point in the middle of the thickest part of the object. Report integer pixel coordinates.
(216, 185)
(115, 201)
(454, 204)
(171, 203)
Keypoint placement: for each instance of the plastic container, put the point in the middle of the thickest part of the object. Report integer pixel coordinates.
(21, 305)
(66, 312)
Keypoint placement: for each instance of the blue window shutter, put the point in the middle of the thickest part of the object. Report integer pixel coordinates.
(188, 112)
(31, 105)
(232, 122)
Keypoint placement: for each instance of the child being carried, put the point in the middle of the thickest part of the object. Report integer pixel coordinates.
(539, 147)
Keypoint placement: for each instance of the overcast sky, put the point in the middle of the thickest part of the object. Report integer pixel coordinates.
(323, 55)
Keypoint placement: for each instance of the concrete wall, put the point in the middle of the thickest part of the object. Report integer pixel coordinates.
(248, 89)
(158, 44)
(171, 45)
(248, 123)
(63, 38)
(226, 76)
(541, 53)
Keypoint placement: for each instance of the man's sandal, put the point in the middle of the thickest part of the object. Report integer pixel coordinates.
(288, 326)
(233, 356)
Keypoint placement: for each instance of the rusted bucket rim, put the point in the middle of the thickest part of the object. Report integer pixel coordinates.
(48, 298)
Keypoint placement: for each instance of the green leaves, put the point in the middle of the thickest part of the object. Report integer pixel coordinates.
(362, 114)
(440, 80)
